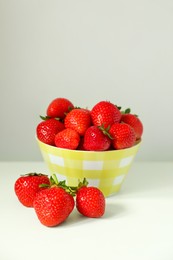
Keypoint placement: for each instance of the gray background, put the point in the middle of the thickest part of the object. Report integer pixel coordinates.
(87, 51)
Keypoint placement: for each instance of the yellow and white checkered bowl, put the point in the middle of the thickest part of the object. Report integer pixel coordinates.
(105, 170)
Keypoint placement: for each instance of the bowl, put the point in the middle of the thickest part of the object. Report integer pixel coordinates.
(106, 170)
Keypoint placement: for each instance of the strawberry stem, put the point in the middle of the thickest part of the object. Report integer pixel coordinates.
(105, 131)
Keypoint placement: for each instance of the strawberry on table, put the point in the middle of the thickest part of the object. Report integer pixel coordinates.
(90, 201)
(27, 186)
(67, 138)
(96, 139)
(78, 119)
(54, 204)
(123, 136)
(47, 129)
(105, 113)
(59, 107)
(133, 121)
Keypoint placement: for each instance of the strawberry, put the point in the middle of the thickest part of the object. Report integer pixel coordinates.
(105, 113)
(67, 138)
(46, 130)
(78, 119)
(90, 202)
(53, 205)
(80, 146)
(96, 139)
(123, 136)
(133, 121)
(59, 107)
(27, 186)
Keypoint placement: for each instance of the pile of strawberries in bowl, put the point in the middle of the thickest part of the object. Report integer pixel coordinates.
(103, 127)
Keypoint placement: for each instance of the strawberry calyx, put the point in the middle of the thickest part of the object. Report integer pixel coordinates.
(45, 117)
(70, 109)
(84, 183)
(127, 111)
(55, 183)
(48, 117)
(119, 108)
(72, 190)
(75, 107)
(33, 174)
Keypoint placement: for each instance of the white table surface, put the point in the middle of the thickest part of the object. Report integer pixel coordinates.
(137, 225)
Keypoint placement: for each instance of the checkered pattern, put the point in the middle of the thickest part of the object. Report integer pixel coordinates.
(105, 170)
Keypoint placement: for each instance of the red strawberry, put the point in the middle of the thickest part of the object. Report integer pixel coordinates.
(80, 146)
(67, 138)
(105, 113)
(78, 119)
(123, 135)
(135, 122)
(53, 205)
(96, 139)
(90, 202)
(59, 107)
(27, 186)
(46, 130)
